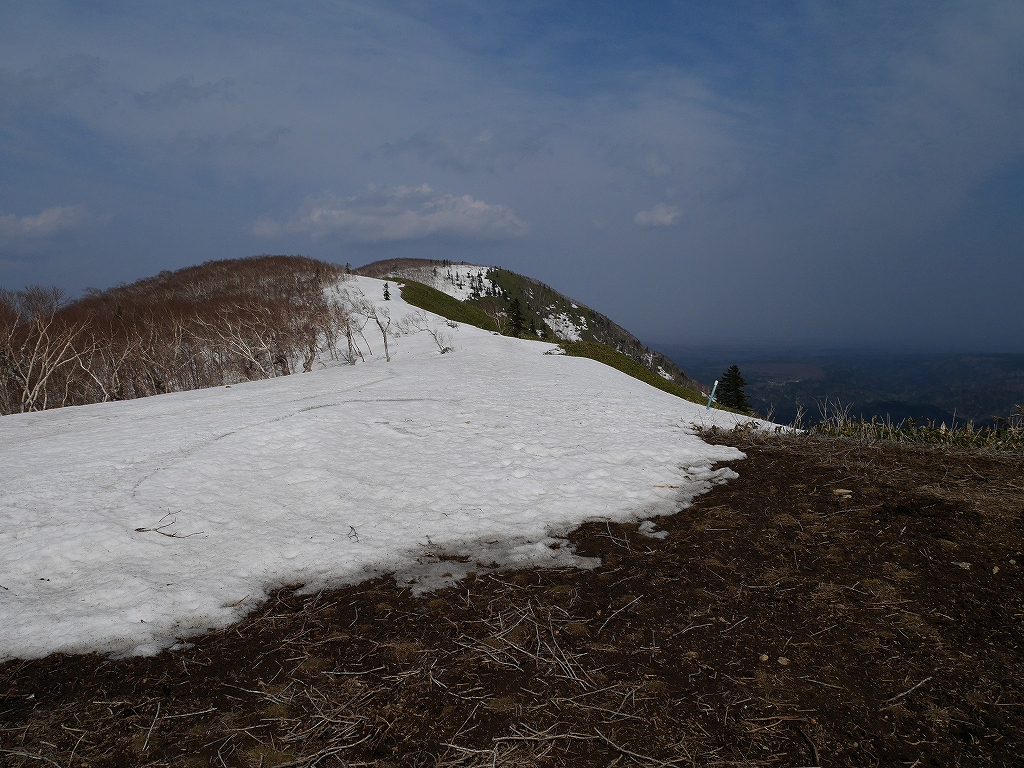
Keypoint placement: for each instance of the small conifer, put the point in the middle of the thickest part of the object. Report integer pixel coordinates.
(730, 390)
(515, 318)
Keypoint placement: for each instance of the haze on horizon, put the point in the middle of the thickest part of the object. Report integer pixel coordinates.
(702, 172)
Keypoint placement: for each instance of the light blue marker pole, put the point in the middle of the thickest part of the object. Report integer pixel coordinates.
(712, 397)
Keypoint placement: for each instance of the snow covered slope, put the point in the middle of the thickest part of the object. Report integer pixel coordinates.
(127, 526)
(544, 310)
(460, 281)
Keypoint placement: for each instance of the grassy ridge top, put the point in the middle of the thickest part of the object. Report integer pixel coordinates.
(545, 311)
(602, 353)
(440, 303)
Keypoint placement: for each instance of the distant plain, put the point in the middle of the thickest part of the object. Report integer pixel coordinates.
(982, 388)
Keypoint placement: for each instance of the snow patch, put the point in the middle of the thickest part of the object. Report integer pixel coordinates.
(128, 527)
(647, 528)
(461, 281)
(566, 327)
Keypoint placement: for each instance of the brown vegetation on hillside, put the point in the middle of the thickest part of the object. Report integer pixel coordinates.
(212, 324)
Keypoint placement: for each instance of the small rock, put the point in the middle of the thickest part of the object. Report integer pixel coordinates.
(995, 569)
(965, 566)
(783, 661)
(764, 657)
(647, 528)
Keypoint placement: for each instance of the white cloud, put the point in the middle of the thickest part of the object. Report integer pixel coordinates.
(50, 222)
(660, 215)
(389, 214)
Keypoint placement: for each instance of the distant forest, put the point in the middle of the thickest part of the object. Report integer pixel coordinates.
(217, 323)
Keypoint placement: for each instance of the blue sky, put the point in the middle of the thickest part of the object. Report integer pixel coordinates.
(703, 172)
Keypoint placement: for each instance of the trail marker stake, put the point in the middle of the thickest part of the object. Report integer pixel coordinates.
(711, 397)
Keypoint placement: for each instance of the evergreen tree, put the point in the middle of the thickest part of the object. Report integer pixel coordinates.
(730, 390)
(387, 293)
(515, 318)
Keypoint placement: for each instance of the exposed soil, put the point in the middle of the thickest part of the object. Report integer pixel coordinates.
(839, 604)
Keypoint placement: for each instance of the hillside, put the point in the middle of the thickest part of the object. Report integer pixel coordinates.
(433, 437)
(217, 323)
(446, 547)
(226, 322)
(547, 314)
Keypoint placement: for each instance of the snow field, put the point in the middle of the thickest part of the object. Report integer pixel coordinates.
(459, 286)
(127, 526)
(565, 327)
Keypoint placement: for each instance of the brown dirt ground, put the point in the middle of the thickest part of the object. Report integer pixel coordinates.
(781, 623)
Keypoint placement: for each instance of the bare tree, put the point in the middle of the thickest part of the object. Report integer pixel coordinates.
(244, 334)
(363, 307)
(419, 322)
(36, 347)
(382, 317)
(352, 346)
(494, 310)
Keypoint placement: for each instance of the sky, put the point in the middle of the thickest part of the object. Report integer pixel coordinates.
(728, 172)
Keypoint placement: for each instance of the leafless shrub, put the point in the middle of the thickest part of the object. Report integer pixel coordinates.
(380, 316)
(419, 322)
(495, 310)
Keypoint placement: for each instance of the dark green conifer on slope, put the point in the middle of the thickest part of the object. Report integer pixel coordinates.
(730, 390)
(515, 319)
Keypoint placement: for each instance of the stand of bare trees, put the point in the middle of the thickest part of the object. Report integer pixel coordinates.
(213, 324)
(38, 349)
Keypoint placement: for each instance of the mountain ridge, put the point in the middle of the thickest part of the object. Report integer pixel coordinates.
(562, 317)
(235, 320)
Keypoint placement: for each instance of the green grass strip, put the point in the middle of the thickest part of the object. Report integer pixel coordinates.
(620, 362)
(440, 303)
